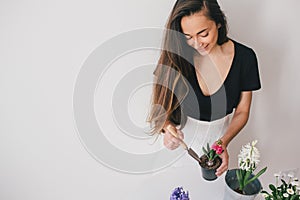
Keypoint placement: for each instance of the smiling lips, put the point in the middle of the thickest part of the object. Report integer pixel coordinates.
(202, 48)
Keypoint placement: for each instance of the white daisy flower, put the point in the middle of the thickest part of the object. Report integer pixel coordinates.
(295, 183)
(290, 191)
(285, 195)
(265, 195)
(277, 174)
(291, 175)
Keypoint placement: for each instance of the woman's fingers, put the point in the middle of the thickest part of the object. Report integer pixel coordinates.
(224, 166)
(172, 142)
(180, 134)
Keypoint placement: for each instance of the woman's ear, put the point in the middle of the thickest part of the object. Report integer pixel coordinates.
(219, 26)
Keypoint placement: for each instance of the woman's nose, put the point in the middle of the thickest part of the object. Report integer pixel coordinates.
(197, 43)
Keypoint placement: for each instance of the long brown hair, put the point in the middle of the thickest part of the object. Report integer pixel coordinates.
(175, 63)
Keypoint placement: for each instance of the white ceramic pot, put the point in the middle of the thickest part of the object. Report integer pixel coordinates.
(251, 190)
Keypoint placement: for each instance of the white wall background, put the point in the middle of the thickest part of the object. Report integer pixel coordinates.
(43, 45)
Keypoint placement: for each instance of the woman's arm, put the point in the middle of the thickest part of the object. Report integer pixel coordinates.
(239, 120)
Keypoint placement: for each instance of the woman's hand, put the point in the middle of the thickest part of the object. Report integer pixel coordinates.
(224, 166)
(170, 141)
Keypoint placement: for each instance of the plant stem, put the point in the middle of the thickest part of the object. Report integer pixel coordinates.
(240, 179)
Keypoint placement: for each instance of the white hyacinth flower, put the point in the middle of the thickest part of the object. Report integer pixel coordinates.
(249, 157)
(254, 143)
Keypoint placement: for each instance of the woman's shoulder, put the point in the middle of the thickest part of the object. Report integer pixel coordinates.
(242, 48)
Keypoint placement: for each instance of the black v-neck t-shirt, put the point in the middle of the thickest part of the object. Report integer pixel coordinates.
(243, 75)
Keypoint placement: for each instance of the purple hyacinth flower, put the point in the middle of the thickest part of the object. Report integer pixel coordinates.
(185, 196)
(179, 194)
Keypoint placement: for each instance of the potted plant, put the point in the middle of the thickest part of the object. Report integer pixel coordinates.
(241, 183)
(210, 160)
(179, 194)
(287, 190)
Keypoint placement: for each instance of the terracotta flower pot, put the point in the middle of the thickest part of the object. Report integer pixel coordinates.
(209, 172)
(250, 191)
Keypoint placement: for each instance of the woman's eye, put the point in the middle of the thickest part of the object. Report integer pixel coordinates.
(188, 38)
(205, 35)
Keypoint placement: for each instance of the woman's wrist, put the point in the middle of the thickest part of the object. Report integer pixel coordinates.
(222, 142)
(165, 126)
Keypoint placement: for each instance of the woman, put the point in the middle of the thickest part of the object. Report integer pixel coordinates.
(201, 78)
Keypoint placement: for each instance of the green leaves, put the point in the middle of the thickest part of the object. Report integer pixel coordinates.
(204, 150)
(243, 177)
(256, 176)
(209, 152)
(207, 147)
(272, 187)
(248, 173)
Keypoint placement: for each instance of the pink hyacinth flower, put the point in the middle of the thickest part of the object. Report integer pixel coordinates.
(214, 147)
(217, 148)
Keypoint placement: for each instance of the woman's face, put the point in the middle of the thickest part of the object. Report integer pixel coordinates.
(201, 33)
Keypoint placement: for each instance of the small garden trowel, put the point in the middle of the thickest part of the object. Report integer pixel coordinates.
(190, 151)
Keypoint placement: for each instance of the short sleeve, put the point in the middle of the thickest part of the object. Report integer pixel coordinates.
(250, 79)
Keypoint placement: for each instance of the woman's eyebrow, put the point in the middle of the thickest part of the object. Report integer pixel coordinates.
(197, 33)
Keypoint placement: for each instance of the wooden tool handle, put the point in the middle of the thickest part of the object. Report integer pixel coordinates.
(173, 131)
